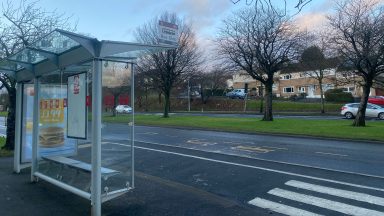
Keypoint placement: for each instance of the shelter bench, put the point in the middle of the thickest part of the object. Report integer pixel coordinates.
(86, 167)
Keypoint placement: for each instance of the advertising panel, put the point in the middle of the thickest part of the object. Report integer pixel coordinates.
(77, 110)
(52, 124)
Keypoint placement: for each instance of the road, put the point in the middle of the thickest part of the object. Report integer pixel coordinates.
(364, 158)
(220, 184)
(257, 174)
(197, 172)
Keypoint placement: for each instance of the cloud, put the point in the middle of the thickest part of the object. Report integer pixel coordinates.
(311, 21)
(204, 13)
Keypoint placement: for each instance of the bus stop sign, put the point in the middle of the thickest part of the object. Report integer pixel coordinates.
(168, 33)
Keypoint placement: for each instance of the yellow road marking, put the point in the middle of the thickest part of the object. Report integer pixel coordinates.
(200, 142)
(254, 149)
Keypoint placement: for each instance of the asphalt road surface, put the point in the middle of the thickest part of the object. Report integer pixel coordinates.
(196, 172)
(235, 185)
(365, 158)
(258, 174)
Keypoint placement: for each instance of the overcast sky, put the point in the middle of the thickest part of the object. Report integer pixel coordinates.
(117, 19)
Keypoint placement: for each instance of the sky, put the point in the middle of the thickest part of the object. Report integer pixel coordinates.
(117, 19)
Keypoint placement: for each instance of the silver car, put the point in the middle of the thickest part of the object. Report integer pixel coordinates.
(123, 109)
(350, 110)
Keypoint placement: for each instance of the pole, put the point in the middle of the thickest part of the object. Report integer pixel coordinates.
(133, 126)
(189, 97)
(35, 130)
(96, 138)
(18, 119)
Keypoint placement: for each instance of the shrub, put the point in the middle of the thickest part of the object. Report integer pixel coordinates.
(337, 95)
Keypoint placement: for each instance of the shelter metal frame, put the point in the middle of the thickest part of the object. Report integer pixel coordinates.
(59, 50)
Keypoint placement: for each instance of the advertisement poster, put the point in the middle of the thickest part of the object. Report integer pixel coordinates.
(52, 122)
(77, 110)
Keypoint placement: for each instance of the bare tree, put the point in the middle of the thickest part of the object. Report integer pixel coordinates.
(165, 68)
(359, 37)
(260, 42)
(268, 4)
(314, 64)
(212, 81)
(20, 25)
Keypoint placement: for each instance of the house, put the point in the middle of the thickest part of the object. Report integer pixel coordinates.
(296, 82)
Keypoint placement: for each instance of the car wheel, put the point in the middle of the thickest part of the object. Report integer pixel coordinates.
(381, 116)
(348, 115)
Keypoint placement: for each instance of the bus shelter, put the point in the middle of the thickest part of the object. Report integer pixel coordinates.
(62, 128)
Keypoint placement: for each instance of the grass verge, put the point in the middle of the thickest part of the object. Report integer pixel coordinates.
(319, 128)
(3, 114)
(3, 152)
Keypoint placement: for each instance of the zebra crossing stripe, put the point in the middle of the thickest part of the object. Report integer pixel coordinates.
(338, 192)
(324, 203)
(280, 208)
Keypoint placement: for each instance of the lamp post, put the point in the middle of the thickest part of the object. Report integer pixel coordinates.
(189, 97)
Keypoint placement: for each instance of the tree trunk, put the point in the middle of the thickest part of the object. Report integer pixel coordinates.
(268, 102)
(321, 96)
(167, 104)
(146, 99)
(10, 141)
(360, 116)
(115, 102)
(261, 94)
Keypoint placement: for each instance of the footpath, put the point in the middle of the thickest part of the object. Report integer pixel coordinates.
(152, 196)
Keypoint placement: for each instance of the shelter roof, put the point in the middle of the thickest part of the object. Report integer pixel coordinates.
(61, 49)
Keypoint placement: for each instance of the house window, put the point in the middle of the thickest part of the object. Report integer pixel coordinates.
(301, 89)
(287, 77)
(288, 90)
(349, 89)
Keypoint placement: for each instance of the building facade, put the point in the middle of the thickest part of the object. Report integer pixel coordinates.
(304, 83)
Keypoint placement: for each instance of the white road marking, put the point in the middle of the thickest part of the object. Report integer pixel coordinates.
(333, 154)
(338, 192)
(85, 145)
(267, 160)
(324, 203)
(148, 133)
(254, 167)
(280, 208)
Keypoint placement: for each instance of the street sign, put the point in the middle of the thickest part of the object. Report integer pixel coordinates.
(168, 33)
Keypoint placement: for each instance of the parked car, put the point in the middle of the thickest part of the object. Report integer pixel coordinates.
(350, 111)
(123, 109)
(379, 100)
(236, 93)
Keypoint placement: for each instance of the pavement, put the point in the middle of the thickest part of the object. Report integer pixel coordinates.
(152, 196)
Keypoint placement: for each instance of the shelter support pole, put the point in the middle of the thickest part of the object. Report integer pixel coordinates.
(18, 119)
(35, 130)
(133, 125)
(96, 138)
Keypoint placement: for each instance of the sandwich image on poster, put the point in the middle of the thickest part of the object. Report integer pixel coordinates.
(51, 137)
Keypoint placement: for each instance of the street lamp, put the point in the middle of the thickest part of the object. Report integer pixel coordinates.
(189, 97)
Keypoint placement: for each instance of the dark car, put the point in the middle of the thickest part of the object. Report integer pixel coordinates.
(379, 100)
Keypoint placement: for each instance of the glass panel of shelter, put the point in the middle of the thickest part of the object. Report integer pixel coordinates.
(54, 145)
(59, 155)
(116, 148)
